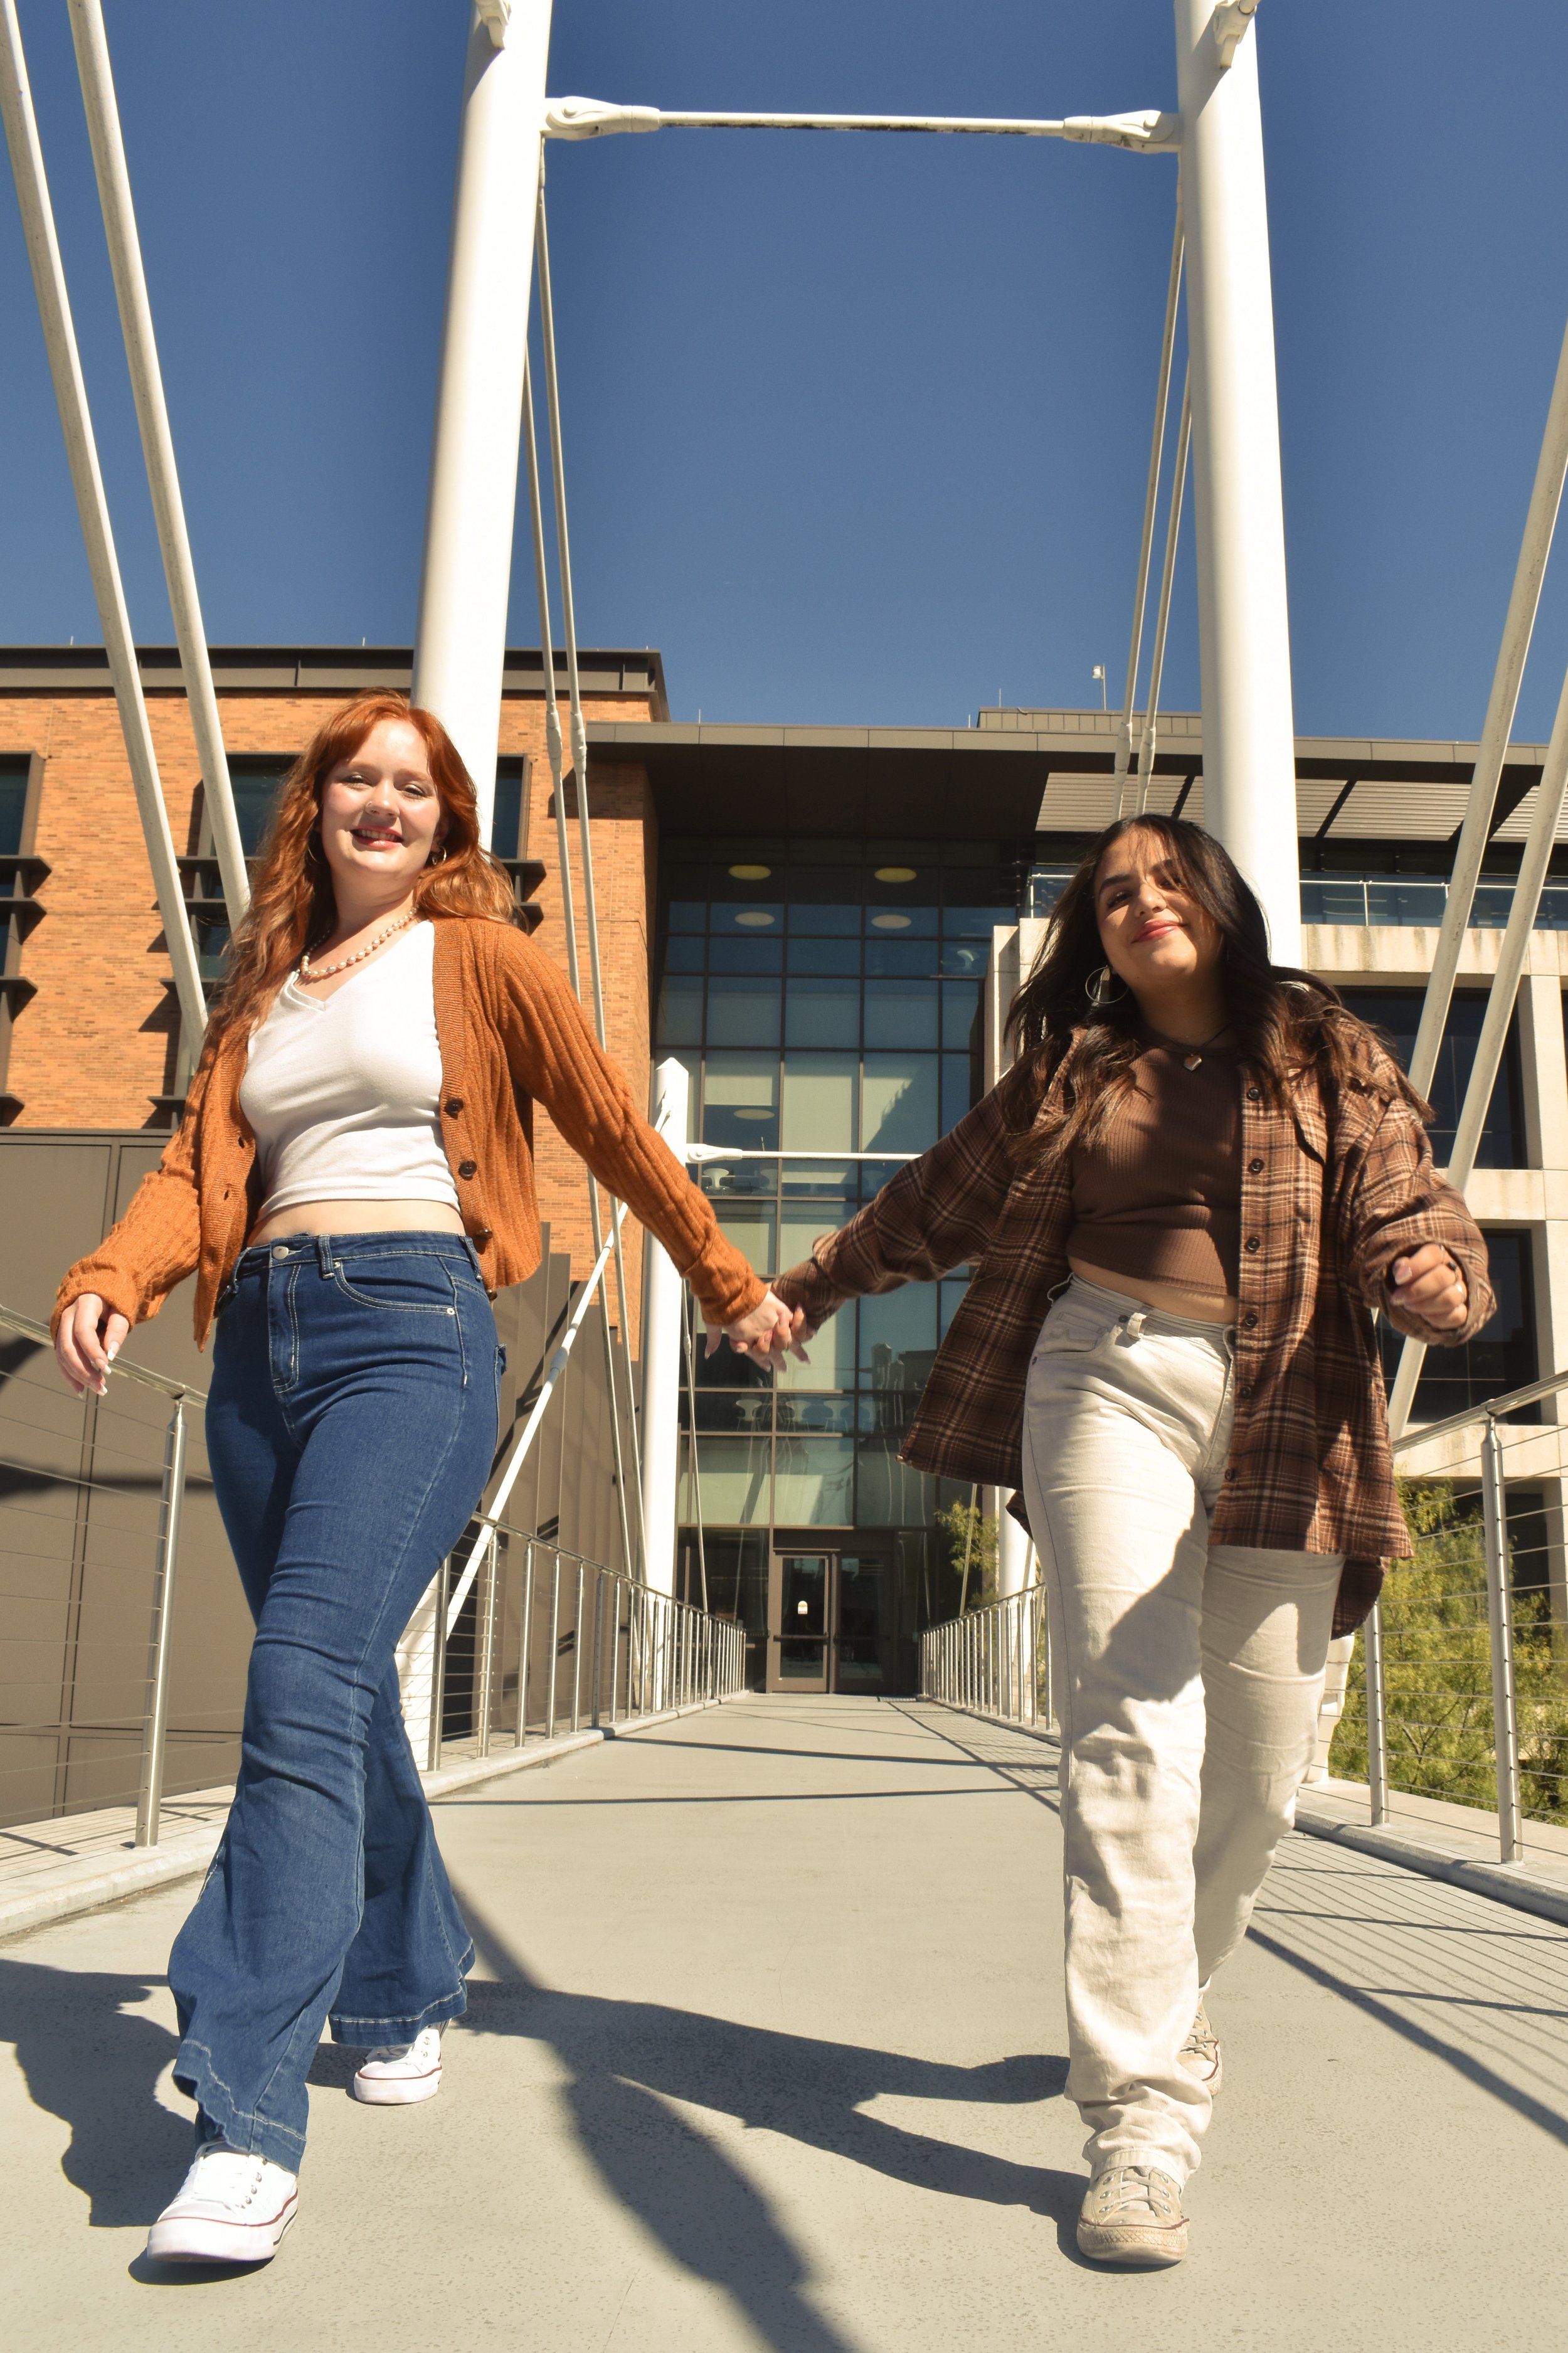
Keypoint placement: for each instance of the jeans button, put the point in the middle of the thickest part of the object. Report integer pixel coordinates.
(280, 1253)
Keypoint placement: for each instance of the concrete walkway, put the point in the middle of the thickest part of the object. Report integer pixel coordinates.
(765, 2051)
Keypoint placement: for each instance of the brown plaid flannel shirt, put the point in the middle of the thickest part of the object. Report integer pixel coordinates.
(1334, 1189)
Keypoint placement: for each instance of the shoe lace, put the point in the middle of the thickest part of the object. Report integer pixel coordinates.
(227, 2176)
(1202, 2039)
(1134, 2185)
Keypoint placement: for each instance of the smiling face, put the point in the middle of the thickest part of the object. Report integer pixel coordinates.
(1155, 936)
(381, 815)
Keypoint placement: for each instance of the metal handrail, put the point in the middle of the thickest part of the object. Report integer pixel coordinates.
(1496, 1409)
(672, 1655)
(149, 1379)
(994, 1661)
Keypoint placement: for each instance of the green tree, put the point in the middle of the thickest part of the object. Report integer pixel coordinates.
(1437, 1643)
(971, 1536)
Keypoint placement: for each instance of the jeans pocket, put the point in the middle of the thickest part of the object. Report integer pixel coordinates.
(414, 1282)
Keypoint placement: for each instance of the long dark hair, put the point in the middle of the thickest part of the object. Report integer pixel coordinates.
(1285, 1022)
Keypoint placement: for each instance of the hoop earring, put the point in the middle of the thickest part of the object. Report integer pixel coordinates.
(1096, 988)
(437, 856)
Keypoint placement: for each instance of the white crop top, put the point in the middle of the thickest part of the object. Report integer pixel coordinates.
(344, 1092)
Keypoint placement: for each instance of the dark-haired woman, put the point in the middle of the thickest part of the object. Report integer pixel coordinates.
(351, 1180)
(1183, 1206)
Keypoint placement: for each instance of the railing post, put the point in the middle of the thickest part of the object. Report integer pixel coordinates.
(1505, 1719)
(577, 1655)
(155, 1716)
(492, 1543)
(554, 1642)
(1376, 1719)
(525, 1644)
(615, 1647)
(598, 1640)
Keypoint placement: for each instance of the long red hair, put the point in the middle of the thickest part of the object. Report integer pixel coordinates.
(292, 902)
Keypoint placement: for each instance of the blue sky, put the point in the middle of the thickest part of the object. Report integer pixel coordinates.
(857, 428)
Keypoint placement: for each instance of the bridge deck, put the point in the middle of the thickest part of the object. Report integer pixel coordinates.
(765, 2051)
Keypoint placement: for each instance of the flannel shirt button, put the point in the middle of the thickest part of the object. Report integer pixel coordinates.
(1254, 1095)
(467, 1167)
(1252, 1243)
(1247, 1387)
(1254, 1167)
(1230, 1474)
(454, 1106)
(1250, 1319)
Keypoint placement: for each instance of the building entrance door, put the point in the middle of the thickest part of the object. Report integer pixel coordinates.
(830, 1617)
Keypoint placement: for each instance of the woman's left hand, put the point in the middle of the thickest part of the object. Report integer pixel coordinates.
(767, 1334)
(1426, 1292)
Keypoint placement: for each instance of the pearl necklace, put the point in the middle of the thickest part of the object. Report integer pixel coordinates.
(308, 972)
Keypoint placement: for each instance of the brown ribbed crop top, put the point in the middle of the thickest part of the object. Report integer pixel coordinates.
(1159, 1195)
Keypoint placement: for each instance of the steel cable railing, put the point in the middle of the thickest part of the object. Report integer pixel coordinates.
(1457, 1689)
(93, 1497)
(994, 1661)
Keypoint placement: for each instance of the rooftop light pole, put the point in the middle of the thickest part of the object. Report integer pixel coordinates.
(460, 644)
(1249, 763)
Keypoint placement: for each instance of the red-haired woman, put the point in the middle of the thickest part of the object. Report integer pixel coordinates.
(351, 1181)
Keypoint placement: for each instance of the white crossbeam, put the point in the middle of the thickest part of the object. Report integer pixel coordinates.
(1148, 132)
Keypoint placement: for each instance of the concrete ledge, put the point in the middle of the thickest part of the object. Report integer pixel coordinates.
(1502, 1882)
(84, 1882)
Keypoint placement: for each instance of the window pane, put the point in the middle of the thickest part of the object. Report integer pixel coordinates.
(740, 1100)
(822, 1013)
(812, 1482)
(506, 829)
(916, 957)
(957, 1089)
(825, 955)
(899, 1102)
(900, 1012)
(747, 954)
(832, 1353)
(680, 1010)
(898, 1337)
(889, 1495)
(742, 1012)
(1502, 1357)
(1333, 902)
(962, 1023)
(1405, 904)
(733, 1476)
(819, 1103)
(750, 1229)
(746, 915)
(13, 807)
(683, 954)
(967, 957)
(1398, 1012)
(834, 1414)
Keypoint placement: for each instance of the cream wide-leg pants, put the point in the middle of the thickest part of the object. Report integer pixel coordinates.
(1187, 1680)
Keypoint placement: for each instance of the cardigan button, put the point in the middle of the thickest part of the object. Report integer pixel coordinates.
(454, 1104)
(467, 1167)
(1252, 1243)
(482, 1240)
(1254, 1167)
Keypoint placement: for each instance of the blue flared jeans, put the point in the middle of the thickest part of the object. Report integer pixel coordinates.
(351, 1427)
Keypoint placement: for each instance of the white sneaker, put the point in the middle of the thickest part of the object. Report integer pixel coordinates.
(401, 2072)
(231, 2209)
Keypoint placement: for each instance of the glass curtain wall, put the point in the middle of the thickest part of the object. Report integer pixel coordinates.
(825, 998)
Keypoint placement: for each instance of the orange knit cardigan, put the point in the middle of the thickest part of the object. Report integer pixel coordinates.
(510, 1033)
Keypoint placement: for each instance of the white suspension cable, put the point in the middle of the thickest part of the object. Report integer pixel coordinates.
(92, 506)
(568, 909)
(580, 770)
(157, 442)
(1162, 621)
(1518, 625)
(525, 1438)
(1511, 957)
(1148, 132)
(1151, 500)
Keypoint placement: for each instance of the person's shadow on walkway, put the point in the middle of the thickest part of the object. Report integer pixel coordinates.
(626, 2059)
(92, 2060)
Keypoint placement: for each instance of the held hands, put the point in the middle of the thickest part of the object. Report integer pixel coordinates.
(1427, 1293)
(88, 1342)
(768, 1335)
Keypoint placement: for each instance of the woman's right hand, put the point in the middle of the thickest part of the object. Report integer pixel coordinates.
(86, 1342)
